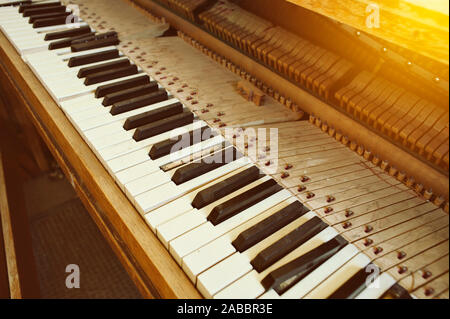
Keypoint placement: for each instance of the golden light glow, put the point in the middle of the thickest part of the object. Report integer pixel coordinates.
(441, 6)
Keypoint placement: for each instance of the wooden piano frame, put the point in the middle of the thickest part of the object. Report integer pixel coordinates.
(148, 263)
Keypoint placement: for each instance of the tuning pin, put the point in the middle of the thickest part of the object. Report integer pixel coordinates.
(376, 160)
(353, 146)
(328, 210)
(360, 150)
(332, 131)
(330, 199)
(428, 194)
(419, 188)
(345, 140)
(384, 165)
(401, 176)
(312, 119)
(367, 155)
(393, 171)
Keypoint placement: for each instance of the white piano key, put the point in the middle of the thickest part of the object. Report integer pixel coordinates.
(201, 259)
(109, 118)
(249, 286)
(153, 180)
(179, 206)
(152, 199)
(211, 283)
(317, 276)
(337, 279)
(194, 218)
(378, 288)
(134, 154)
(186, 244)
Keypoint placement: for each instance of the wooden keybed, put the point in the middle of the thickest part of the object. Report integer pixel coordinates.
(148, 263)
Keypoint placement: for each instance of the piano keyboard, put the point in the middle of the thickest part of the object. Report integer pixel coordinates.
(314, 222)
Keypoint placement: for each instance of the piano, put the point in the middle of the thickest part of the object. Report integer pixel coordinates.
(247, 149)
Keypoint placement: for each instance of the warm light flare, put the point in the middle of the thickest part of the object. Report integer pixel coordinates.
(441, 6)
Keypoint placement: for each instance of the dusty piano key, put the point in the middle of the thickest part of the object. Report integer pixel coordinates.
(163, 125)
(194, 170)
(95, 37)
(147, 201)
(104, 90)
(285, 245)
(48, 22)
(85, 30)
(30, 5)
(288, 275)
(149, 117)
(130, 93)
(135, 103)
(219, 244)
(226, 187)
(154, 178)
(84, 72)
(166, 147)
(236, 205)
(95, 44)
(235, 277)
(355, 285)
(269, 226)
(37, 17)
(196, 217)
(43, 10)
(316, 276)
(14, 3)
(181, 205)
(66, 42)
(93, 57)
(111, 74)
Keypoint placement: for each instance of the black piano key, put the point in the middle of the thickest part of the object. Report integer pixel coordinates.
(95, 44)
(269, 226)
(84, 72)
(153, 116)
(33, 11)
(164, 125)
(93, 57)
(127, 94)
(288, 243)
(65, 43)
(16, 3)
(240, 203)
(355, 285)
(109, 75)
(164, 148)
(396, 292)
(104, 90)
(226, 187)
(99, 36)
(68, 33)
(36, 17)
(60, 20)
(205, 165)
(283, 278)
(135, 103)
(30, 5)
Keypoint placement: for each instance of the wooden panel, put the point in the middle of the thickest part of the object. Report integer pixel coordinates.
(9, 276)
(401, 23)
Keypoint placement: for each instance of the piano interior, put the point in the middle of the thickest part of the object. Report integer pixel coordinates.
(237, 149)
